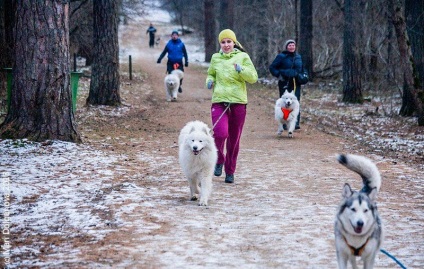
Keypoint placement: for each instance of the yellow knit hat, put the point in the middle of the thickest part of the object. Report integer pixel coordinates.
(227, 33)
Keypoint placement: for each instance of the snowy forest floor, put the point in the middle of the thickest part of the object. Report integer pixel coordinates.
(120, 200)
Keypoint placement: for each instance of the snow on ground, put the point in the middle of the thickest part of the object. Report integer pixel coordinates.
(57, 187)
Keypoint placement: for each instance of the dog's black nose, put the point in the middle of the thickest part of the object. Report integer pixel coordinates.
(360, 223)
(195, 148)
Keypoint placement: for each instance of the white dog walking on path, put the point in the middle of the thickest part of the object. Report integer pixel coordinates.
(286, 111)
(197, 157)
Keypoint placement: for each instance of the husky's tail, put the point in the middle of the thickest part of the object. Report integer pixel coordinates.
(365, 168)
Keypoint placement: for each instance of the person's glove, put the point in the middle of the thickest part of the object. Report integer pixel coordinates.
(186, 64)
(210, 84)
(237, 67)
(158, 61)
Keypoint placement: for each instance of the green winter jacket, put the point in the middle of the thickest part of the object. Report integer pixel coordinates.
(229, 85)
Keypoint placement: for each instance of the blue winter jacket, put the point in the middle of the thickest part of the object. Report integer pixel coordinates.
(176, 51)
(286, 65)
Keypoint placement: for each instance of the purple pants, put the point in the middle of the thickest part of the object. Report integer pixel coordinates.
(227, 132)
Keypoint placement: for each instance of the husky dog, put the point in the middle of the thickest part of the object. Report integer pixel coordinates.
(172, 83)
(358, 229)
(286, 111)
(197, 157)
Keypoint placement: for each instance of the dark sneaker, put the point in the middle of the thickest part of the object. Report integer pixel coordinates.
(218, 170)
(229, 179)
(180, 90)
(297, 127)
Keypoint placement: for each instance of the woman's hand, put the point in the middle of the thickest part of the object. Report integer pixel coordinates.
(237, 67)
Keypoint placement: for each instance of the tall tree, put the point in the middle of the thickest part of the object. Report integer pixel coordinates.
(352, 91)
(210, 35)
(41, 106)
(6, 38)
(412, 95)
(226, 18)
(104, 86)
(305, 35)
(414, 12)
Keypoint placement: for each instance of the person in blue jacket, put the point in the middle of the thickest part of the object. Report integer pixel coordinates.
(176, 52)
(285, 67)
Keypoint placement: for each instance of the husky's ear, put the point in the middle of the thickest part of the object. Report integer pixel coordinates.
(192, 129)
(347, 191)
(373, 194)
(285, 92)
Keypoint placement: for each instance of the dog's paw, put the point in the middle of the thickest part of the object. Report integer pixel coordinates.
(203, 203)
(194, 198)
(290, 135)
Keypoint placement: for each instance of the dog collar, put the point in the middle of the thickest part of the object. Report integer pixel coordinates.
(356, 251)
(286, 113)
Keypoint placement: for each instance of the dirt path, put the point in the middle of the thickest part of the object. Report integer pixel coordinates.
(278, 214)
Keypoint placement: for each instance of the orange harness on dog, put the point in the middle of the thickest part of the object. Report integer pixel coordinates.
(286, 113)
(356, 251)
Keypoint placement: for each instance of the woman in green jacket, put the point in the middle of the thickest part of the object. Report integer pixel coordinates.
(228, 73)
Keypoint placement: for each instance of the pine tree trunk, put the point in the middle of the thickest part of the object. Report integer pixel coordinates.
(210, 35)
(305, 35)
(412, 93)
(105, 82)
(41, 106)
(352, 88)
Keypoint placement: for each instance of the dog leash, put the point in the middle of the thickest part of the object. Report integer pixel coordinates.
(393, 258)
(225, 110)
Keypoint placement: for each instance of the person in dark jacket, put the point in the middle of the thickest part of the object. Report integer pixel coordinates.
(285, 67)
(151, 31)
(176, 52)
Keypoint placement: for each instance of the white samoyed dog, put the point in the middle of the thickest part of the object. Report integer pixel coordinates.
(179, 73)
(197, 157)
(172, 83)
(286, 111)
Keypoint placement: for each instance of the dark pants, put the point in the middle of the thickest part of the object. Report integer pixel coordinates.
(289, 86)
(170, 66)
(151, 40)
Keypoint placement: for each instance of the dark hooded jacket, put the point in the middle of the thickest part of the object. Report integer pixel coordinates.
(286, 65)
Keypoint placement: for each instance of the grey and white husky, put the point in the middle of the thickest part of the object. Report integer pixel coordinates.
(358, 229)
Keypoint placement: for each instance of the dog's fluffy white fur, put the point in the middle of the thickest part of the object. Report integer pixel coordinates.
(197, 157)
(179, 73)
(286, 111)
(172, 83)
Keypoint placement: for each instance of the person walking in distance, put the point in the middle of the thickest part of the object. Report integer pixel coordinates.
(151, 31)
(227, 75)
(286, 66)
(176, 52)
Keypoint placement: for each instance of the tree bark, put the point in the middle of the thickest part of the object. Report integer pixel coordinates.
(41, 106)
(105, 82)
(210, 35)
(413, 95)
(414, 12)
(305, 35)
(352, 88)
(226, 19)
